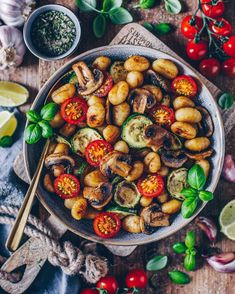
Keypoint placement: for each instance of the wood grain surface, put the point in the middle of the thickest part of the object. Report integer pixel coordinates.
(33, 74)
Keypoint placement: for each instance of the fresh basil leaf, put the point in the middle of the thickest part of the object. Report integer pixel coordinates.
(49, 111)
(226, 100)
(157, 263)
(196, 177)
(47, 131)
(189, 192)
(120, 15)
(206, 195)
(146, 4)
(190, 240)
(86, 5)
(99, 25)
(33, 116)
(189, 206)
(162, 28)
(33, 133)
(110, 4)
(6, 141)
(179, 277)
(173, 6)
(148, 26)
(179, 248)
(190, 262)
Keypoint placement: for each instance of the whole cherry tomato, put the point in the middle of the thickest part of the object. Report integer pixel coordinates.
(212, 8)
(109, 284)
(210, 67)
(190, 26)
(228, 67)
(89, 291)
(229, 46)
(137, 278)
(221, 27)
(196, 50)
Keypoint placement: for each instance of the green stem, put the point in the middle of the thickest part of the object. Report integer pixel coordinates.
(93, 8)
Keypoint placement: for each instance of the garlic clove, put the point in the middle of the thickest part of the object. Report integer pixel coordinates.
(208, 227)
(228, 171)
(223, 262)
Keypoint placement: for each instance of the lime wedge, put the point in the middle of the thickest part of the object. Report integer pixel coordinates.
(12, 94)
(230, 231)
(227, 220)
(8, 123)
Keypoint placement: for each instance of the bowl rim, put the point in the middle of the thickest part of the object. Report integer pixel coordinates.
(28, 26)
(129, 242)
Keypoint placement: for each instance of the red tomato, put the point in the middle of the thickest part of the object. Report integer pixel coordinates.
(89, 291)
(184, 85)
(210, 67)
(196, 51)
(106, 225)
(109, 284)
(212, 10)
(74, 110)
(67, 186)
(190, 26)
(229, 46)
(106, 86)
(221, 27)
(136, 278)
(96, 150)
(228, 67)
(163, 115)
(150, 185)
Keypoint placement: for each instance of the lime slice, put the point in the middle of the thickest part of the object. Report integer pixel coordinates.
(12, 94)
(227, 220)
(229, 231)
(8, 123)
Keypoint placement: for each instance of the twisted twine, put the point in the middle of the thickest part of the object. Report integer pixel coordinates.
(68, 257)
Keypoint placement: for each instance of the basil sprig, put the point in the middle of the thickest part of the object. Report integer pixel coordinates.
(40, 127)
(173, 6)
(159, 29)
(179, 277)
(194, 194)
(226, 100)
(146, 4)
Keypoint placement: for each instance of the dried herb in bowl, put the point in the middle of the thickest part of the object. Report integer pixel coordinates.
(53, 33)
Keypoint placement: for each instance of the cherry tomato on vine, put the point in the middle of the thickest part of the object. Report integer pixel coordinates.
(67, 186)
(106, 225)
(109, 284)
(136, 278)
(228, 67)
(196, 50)
(150, 185)
(74, 110)
(221, 27)
(210, 67)
(96, 150)
(190, 26)
(89, 291)
(229, 46)
(184, 85)
(213, 8)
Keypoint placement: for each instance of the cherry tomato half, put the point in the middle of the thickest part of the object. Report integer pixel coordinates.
(74, 110)
(190, 26)
(150, 185)
(109, 284)
(96, 150)
(210, 67)
(67, 186)
(106, 225)
(228, 67)
(184, 85)
(211, 9)
(89, 291)
(229, 46)
(136, 278)
(163, 115)
(196, 50)
(221, 27)
(105, 87)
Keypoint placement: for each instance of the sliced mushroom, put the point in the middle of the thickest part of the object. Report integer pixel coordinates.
(100, 196)
(155, 136)
(116, 163)
(172, 142)
(205, 126)
(141, 99)
(173, 159)
(199, 155)
(60, 160)
(152, 217)
(88, 80)
(154, 78)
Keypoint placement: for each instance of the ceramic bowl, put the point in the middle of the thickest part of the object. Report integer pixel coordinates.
(84, 228)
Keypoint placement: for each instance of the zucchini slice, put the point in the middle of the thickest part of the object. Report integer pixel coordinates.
(133, 130)
(121, 211)
(61, 139)
(82, 138)
(176, 182)
(126, 194)
(118, 71)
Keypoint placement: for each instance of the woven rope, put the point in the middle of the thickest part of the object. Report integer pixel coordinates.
(68, 257)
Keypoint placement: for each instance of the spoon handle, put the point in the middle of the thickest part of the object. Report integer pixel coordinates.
(17, 229)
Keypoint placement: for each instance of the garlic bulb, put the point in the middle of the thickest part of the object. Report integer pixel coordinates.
(12, 47)
(15, 12)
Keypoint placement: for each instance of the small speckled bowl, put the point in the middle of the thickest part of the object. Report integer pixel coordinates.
(28, 27)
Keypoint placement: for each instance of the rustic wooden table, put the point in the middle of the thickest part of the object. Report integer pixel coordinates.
(34, 74)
